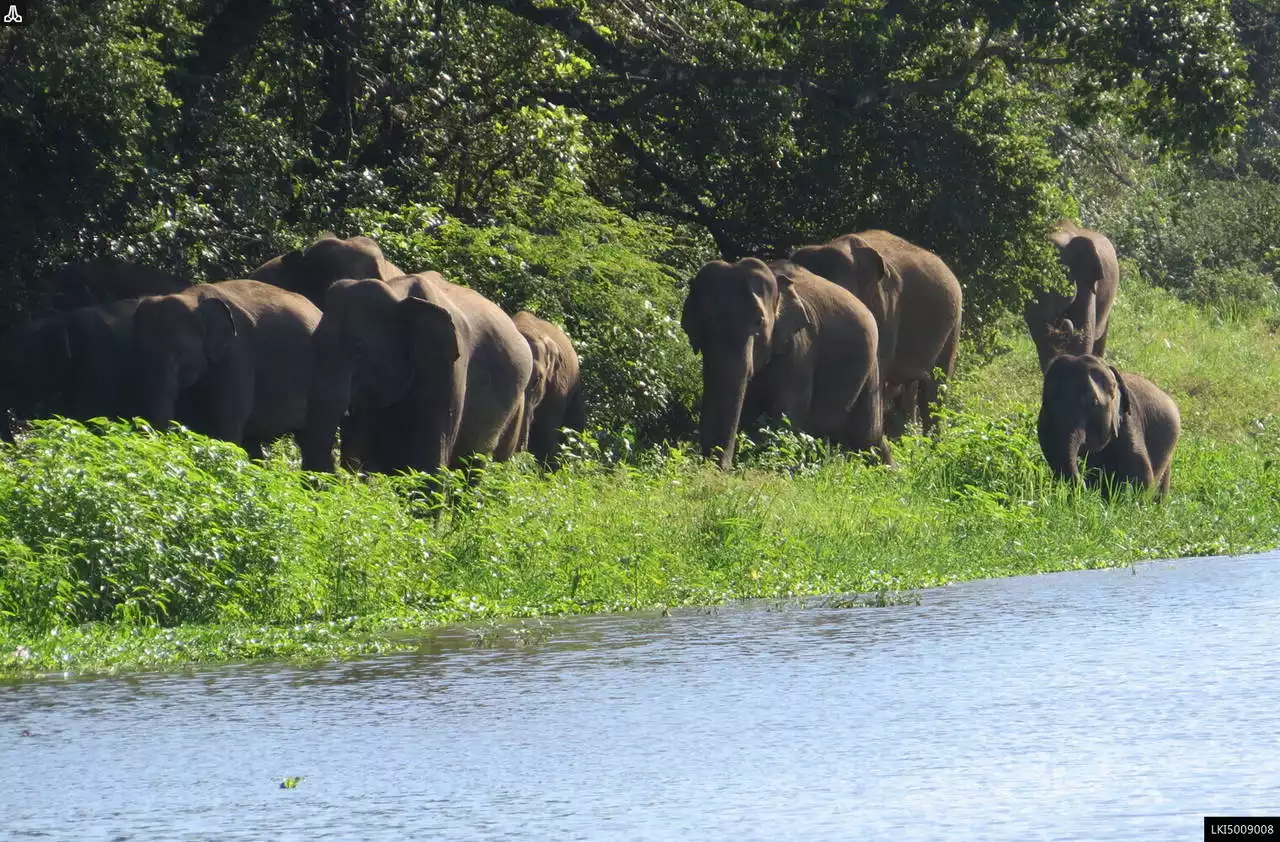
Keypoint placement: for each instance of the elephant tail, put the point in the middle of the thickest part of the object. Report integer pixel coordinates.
(867, 417)
(947, 357)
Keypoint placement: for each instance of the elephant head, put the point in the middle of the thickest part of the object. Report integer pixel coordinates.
(862, 269)
(1083, 404)
(736, 315)
(177, 338)
(312, 270)
(371, 347)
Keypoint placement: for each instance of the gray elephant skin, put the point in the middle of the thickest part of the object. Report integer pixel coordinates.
(310, 271)
(1079, 323)
(806, 347)
(553, 399)
(916, 301)
(232, 360)
(1126, 425)
(431, 372)
(77, 361)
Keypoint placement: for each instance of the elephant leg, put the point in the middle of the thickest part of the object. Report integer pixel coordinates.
(1163, 489)
(256, 449)
(1100, 345)
(929, 384)
(544, 431)
(357, 433)
(791, 394)
(509, 440)
(225, 398)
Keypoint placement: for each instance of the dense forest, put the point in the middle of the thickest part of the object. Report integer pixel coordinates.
(580, 158)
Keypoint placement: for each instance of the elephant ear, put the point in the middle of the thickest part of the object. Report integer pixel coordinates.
(794, 313)
(870, 264)
(698, 289)
(689, 323)
(219, 326)
(433, 335)
(1122, 408)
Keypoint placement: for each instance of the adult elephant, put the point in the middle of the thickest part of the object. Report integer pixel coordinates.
(431, 371)
(916, 301)
(74, 360)
(1090, 261)
(1125, 423)
(231, 360)
(310, 271)
(553, 399)
(807, 348)
(74, 364)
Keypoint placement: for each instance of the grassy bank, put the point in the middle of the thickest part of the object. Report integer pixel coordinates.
(135, 550)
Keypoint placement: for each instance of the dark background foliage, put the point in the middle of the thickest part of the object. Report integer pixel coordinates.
(581, 158)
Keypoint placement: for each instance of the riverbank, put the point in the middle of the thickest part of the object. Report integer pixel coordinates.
(128, 550)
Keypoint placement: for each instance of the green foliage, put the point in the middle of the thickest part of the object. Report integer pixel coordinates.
(613, 282)
(1208, 238)
(124, 547)
(205, 137)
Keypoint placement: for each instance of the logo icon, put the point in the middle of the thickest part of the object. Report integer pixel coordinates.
(14, 16)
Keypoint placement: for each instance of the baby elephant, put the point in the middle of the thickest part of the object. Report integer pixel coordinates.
(1127, 425)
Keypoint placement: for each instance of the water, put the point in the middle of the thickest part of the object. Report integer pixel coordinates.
(1101, 705)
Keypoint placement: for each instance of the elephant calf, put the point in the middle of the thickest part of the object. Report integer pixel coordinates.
(553, 399)
(1059, 324)
(1125, 423)
(231, 360)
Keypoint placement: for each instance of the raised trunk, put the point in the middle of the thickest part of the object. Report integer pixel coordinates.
(724, 386)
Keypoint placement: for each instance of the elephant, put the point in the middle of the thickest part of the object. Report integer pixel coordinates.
(806, 347)
(103, 281)
(310, 271)
(553, 398)
(1090, 261)
(431, 372)
(916, 301)
(74, 364)
(231, 360)
(74, 359)
(1125, 423)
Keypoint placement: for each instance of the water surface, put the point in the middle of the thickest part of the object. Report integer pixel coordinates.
(1099, 705)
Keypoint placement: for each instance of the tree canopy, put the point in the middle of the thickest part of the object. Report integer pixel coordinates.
(203, 136)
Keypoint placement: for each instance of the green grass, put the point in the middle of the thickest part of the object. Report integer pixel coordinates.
(135, 550)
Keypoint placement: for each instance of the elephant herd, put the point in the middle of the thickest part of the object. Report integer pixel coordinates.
(848, 339)
(419, 373)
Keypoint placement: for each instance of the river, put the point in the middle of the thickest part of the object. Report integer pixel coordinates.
(1095, 705)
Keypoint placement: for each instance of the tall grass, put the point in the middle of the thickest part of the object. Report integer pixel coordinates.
(126, 547)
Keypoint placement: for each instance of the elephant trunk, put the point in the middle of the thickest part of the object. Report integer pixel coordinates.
(437, 401)
(724, 388)
(160, 394)
(327, 402)
(1061, 447)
